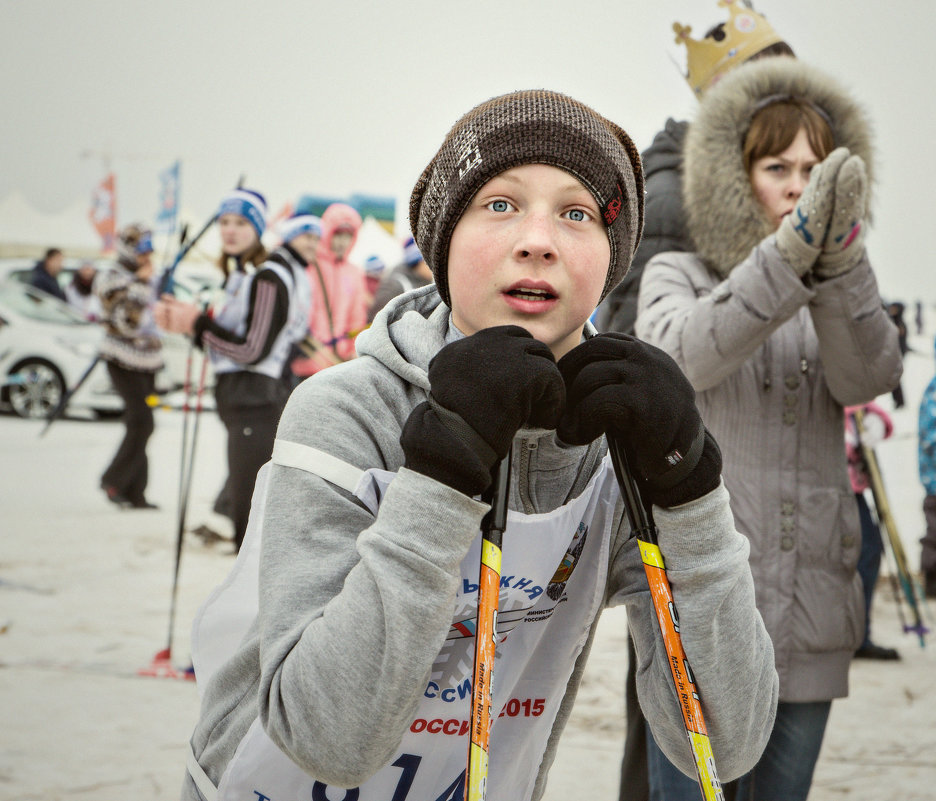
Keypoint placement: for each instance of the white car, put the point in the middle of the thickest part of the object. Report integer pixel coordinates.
(45, 347)
(176, 348)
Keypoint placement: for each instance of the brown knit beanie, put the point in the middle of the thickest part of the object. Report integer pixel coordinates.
(530, 127)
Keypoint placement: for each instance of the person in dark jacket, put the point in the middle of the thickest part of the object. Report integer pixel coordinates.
(895, 311)
(665, 222)
(412, 273)
(665, 227)
(44, 275)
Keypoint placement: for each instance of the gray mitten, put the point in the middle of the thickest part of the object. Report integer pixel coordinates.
(844, 244)
(802, 232)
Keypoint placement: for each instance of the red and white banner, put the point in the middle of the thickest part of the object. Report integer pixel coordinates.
(103, 212)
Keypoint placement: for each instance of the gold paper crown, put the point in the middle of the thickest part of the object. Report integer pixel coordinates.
(746, 34)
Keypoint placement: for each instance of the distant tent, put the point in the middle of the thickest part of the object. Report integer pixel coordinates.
(374, 240)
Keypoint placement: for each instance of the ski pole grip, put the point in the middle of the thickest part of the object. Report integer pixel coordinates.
(495, 521)
(633, 504)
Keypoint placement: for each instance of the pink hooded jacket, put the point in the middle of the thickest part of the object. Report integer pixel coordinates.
(339, 314)
(878, 426)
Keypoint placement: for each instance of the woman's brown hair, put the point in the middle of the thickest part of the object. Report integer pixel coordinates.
(774, 127)
(255, 255)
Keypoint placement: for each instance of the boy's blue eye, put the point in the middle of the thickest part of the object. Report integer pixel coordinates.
(499, 205)
(578, 215)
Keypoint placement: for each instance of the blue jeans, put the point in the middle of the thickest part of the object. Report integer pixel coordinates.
(783, 773)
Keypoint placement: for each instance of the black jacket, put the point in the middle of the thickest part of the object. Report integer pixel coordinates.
(42, 279)
(664, 224)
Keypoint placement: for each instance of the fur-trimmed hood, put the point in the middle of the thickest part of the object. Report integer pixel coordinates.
(724, 218)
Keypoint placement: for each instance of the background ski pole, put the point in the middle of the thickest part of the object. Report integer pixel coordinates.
(167, 281)
(161, 666)
(482, 716)
(882, 507)
(668, 619)
(59, 410)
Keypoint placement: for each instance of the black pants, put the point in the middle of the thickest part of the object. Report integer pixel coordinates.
(249, 405)
(635, 782)
(128, 472)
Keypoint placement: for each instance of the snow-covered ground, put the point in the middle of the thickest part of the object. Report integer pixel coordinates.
(84, 604)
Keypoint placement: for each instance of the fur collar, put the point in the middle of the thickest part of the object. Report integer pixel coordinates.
(724, 218)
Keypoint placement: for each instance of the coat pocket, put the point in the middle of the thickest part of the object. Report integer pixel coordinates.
(828, 606)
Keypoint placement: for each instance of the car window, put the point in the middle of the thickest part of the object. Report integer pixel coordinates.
(38, 306)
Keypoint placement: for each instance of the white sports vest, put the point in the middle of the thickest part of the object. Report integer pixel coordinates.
(232, 314)
(554, 570)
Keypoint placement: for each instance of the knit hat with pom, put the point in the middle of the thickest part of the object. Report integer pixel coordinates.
(248, 204)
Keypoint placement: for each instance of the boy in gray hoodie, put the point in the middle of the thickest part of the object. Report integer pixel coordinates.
(356, 671)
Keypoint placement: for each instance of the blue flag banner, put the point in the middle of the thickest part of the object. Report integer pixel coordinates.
(168, 198)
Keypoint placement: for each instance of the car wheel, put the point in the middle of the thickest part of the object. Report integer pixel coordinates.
(35, 389)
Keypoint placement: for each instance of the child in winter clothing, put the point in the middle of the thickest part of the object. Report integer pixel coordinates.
(356, 672)
(249, 337)
(927, 463)
(777, 322)
(374, 268)
(876, 427)
(339, 294)
(133, 352)
(411, 273)
(80, 292)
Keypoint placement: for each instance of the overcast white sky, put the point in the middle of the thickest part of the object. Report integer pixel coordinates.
(304, 96)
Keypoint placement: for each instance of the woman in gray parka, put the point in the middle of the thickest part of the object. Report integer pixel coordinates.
(777, 321)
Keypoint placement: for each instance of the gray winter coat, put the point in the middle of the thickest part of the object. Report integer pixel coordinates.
(355, 607)
(774, 359)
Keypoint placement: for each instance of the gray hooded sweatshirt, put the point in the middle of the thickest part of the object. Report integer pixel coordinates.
(354, 607)
(774, 359)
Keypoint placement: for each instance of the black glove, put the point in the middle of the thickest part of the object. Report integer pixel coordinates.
(484, 388)
(637, 394)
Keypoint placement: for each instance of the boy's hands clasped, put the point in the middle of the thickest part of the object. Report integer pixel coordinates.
(634, 392)
(489, 385)
(484, 388)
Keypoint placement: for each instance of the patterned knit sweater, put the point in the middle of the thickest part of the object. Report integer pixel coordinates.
(131, 340)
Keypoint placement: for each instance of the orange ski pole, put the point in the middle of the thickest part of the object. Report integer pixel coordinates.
(492, 530)
(668, 619)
